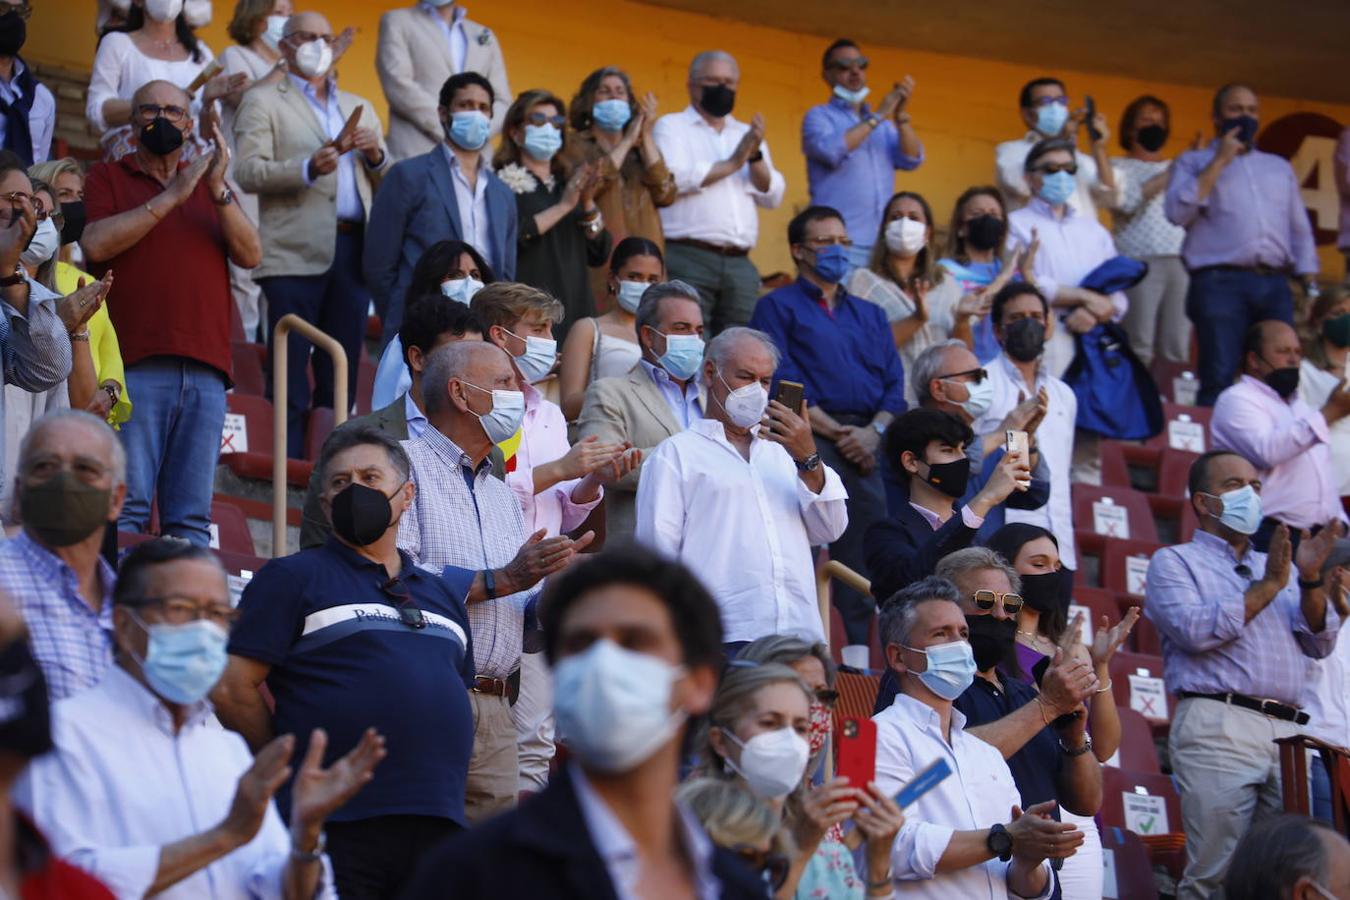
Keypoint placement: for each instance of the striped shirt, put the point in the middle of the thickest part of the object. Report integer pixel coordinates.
(1194, 596)
(71, 642)
(463, 516)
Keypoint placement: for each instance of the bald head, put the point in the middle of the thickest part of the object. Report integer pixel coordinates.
(307, 22)
(73, 436)
(160, 93)
(481, 364)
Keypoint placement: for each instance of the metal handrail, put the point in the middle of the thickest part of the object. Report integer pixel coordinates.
(840, 572)
(280, 350)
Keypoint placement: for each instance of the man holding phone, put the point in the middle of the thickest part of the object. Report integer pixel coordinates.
(745, 530)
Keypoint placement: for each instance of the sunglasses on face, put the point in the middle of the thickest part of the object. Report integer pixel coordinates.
(408, 611)
(841, 65)
(1046, 101)
(1051, 168)
(985, 600)
(539, 118)
(976, 375)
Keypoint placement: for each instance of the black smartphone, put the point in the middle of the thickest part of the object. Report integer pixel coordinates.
(1091, 119)
(790, 394)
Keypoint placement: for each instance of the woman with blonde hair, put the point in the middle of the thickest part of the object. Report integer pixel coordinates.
(738, 821)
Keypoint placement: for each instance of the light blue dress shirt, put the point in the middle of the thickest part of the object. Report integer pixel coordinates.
(683, 404)
(349, 205)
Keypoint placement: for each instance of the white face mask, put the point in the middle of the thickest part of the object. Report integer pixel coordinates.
(197, 13)
(272, 35)
(746, 404)
(630, 294)
(46, 241)
(906, 236)
(313, 58)
(461, 290)
(163, 10)
(612, 706)
(772, 762)
(538, 359)
(981, 396)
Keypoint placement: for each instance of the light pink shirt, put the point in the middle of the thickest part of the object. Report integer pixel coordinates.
(968, 518)
(1288, 443)
(543, 439)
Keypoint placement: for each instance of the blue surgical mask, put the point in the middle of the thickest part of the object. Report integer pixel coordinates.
(683, 356)
(853, 98)
(538, 359)
(981, 396)
(1241, 509)
(831, 262)
(951, 668)
(1051, 117)
(461, 290)
(1057, 187)
(183, 662)
(542, 141)
(611, 115)
(503, 420)
(630, 294)
(469, 129)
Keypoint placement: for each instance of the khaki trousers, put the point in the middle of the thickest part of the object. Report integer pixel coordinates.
(494, 767)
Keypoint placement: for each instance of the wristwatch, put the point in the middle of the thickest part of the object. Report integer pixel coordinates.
(312, 855)
(11, 280)
(759, 154)
(225, 199)
(873, 120)
(1000, 843)
(1072, 752)
(810, 464)
(880, 427)
(112, 391)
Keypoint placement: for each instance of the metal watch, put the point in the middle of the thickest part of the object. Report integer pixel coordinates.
(313, 855)
(16, 278)
(1000, 843)
(1072, 752)
(873, 120)
(810, 464)
(226, 197)
(880, 427)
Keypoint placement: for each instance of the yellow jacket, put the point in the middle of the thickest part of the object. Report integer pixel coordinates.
(102, 342)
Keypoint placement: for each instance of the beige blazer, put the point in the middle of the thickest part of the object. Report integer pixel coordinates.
(413, 61)
(275, 133)
(627, 408)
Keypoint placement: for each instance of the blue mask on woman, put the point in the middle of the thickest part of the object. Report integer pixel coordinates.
(831, 263)
(542, 141)
(1057, 187)
(183, 662)
(469, 129)
(611, 115)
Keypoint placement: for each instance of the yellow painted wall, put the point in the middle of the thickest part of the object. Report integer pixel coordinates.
(962, 106)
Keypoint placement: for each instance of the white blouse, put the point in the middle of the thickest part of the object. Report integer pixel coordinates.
(119, 71)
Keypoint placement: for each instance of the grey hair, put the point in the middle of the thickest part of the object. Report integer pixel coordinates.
(649, 307)
(118, 454)
(449, 361)
(928, 365)
(786, 649)
(956, 565)
(707, 56)
(733, 816)
(720, 347)
(1275, 853)
(899, 613)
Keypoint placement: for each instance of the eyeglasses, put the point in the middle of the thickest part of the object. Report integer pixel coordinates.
(985, 600)
(828, 696)
(827, 241)
(175, 114)
(23, 10)
(773, 866)
(539, 118)
(16, 198)
(408, 611)
(978, 374)
(842, 65)
(304, 37)
(1046, 101)
(1051, 168)
(182, 610)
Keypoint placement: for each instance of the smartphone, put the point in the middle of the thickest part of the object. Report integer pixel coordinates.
(790, 394)
(1091, 120)
(922, 783)
(1014, 441)
(858, 752)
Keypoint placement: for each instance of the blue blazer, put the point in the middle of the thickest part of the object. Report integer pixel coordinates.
(414, 208)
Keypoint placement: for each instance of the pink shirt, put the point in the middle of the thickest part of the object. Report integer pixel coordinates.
(543, 439)
(1288, 443)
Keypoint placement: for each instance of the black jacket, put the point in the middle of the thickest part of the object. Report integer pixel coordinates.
(542, 851)
(905, 548)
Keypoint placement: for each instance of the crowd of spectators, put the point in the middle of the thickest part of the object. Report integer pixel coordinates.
(556, 627)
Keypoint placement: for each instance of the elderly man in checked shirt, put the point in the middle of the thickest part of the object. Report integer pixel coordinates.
(1239, 632)
(463, 516)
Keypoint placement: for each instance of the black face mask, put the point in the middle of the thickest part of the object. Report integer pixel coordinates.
(1246, 126)
(1283, 382)
(991, 640)
(160, 137)
(1044, 592)
(950, 477)
(13, 33)
(985, 232)
(717, 100)
(1024, 339)
(1151, 137)
(73, 211)
(361, 515)
(25, 711)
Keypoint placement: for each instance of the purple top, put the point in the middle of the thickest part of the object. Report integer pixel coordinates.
(1027, 658)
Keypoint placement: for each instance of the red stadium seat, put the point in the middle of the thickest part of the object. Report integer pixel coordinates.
(1175, 473)
(229, 529)
(365, 384)
(250, 376)
(246, 442)
(1129, 465)
(1129, 861)
(1144, 636)
(1185, 428)
(318, 426)
(1113, 512)
(1152, 818)
(1124, 564)
(1137, 683)
(1093, 603)
(1167, 374)
(1137, 751)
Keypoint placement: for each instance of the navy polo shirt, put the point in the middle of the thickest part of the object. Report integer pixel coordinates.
(1036, 767)
(342, 660)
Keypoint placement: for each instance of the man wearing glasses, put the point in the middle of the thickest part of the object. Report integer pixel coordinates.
(1044, 108)
(853, 150)
(839, 347)
(350, 634)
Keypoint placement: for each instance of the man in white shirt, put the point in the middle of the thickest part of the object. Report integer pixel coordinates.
(1072, 244)
(147, 792)
(1326, 698)
(723, 170)
(741, 497)
(1044, 107)
(1021, 317)
(954, 842)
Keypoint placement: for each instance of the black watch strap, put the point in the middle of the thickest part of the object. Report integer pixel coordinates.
(1000, 843)
(11, 280)
(1310, 585)
(490, 584)
(810, 464)
(759, 154)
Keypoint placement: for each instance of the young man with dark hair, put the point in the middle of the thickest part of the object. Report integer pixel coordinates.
(447, 193)
(839, 347)
(636, 646)
(1043, 104)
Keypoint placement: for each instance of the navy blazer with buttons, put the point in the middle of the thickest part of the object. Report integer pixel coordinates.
(414, 208)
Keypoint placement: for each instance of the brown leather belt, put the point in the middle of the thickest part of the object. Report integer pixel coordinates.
(1272, 708)
(719, 249)
(508, 687)
(345, 227)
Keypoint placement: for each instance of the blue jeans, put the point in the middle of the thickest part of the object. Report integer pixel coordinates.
(1320, 783)
(337, 302)
(172, 441)
(1222, 304)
